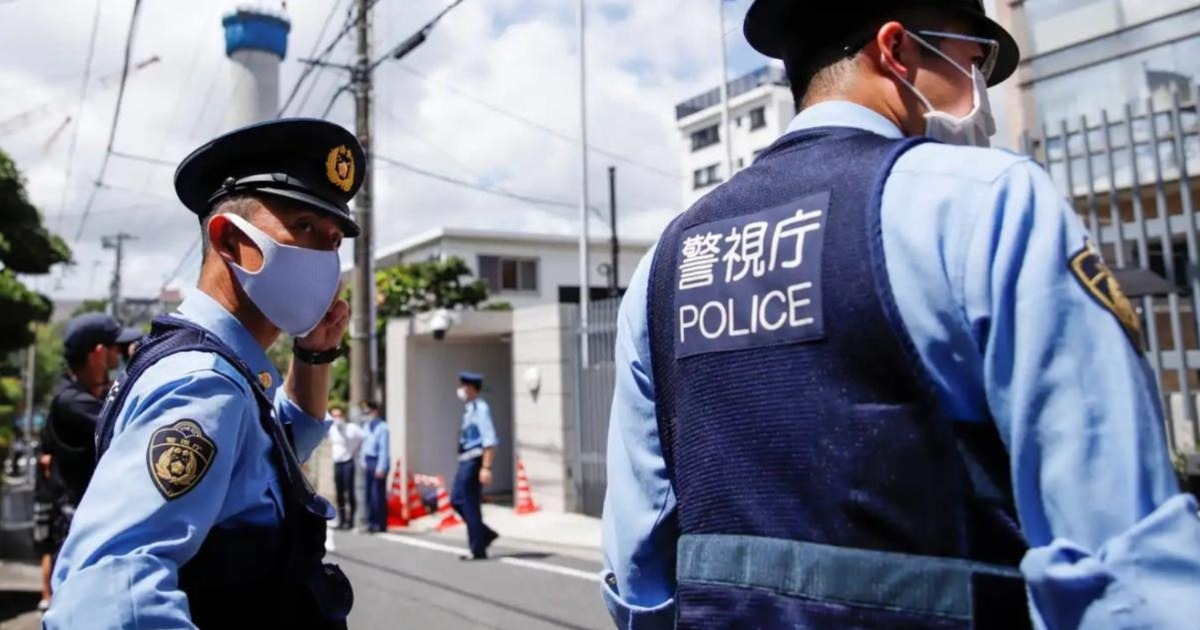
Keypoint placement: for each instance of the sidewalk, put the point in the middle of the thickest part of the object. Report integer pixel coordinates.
(572, 535)
(20, 590)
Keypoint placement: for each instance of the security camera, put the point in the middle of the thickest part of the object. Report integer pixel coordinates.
(440, 323)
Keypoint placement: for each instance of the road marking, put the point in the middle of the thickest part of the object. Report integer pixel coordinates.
(516, 562)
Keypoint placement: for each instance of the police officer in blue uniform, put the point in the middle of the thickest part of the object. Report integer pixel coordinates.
(476, 451)
(376, 453)
(198, 514)
(880, 378)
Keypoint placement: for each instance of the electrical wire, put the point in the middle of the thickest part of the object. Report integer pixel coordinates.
(350, 22)
(87, 75)
(112, 133)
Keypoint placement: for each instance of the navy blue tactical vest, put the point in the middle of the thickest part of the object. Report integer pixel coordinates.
(248, 577)
(817, 485)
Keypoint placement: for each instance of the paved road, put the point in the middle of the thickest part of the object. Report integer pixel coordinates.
(419, 582)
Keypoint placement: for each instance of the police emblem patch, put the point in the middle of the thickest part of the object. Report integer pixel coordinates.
(339, 167)
(1097, 278)
(179, 456)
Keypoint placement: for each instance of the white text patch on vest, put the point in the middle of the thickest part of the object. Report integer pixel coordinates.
(751, 281)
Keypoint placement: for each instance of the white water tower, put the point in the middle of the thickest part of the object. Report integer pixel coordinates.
(256, 43)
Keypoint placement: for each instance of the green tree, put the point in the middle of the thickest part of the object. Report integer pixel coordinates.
(418, 287)
(26, 247)
(91, 306)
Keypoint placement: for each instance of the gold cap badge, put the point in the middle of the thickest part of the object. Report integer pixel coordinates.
(264, 379)
(339, 167)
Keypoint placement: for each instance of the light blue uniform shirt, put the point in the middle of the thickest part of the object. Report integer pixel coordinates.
(376, 446)
(977, 244)
(119, 566)
(477, 432)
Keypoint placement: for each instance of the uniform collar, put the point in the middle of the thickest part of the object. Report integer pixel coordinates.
(844, 114)
(199, 308)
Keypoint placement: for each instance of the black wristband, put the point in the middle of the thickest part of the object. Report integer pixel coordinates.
(310, 357)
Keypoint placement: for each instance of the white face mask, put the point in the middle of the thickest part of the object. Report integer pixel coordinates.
(461, 392)
(295, 286)
(976, 128)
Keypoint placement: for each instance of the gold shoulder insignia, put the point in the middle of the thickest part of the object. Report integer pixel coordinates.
(1097, 278)
(339, 167)
(179, 456)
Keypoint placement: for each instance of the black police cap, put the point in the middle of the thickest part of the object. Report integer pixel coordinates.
(798, 28)
(310, 161)
(84, 332)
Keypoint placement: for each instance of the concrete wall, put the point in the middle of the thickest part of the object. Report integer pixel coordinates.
(544, 422)
(422, 410)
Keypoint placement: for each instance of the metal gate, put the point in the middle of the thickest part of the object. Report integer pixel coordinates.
(594, 385)
(1129, 177)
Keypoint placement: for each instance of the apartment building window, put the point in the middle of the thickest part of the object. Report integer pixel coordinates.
(705, 177)
(509, 274)
(758, 118)
(706, 137)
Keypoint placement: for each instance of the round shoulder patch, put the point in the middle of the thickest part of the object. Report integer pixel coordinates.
(179, 455)
(1095, 276)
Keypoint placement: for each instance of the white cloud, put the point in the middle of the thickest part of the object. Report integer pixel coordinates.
(519, 55)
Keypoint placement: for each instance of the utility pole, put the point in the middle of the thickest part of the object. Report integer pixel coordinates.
(584, 287)
(614, 276)
(728, 131)
(116, 242)
(362, 322)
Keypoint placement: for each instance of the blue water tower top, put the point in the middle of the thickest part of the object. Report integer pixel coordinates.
(250, 29)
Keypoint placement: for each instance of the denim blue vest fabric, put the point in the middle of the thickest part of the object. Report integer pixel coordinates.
(817, 485)
(248, 576)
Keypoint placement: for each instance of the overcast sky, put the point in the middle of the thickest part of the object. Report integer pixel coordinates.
(519, 56)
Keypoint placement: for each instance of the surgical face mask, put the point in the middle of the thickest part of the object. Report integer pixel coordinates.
(461, 392)
(974, 129)
(295, 285)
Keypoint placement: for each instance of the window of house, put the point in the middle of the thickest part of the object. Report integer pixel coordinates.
(705, 177)
(508, 274)
(758, 118)
(706, 137)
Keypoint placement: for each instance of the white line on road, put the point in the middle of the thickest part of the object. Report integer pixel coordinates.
(516, 562)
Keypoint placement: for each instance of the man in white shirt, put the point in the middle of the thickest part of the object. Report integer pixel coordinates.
(347, 439)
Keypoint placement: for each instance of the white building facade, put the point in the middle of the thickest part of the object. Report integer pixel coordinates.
(761, 107)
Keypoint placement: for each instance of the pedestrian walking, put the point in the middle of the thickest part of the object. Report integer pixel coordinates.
(199, 515)
(346, 439)
(376, 453)
(476, 452)
(881, 378)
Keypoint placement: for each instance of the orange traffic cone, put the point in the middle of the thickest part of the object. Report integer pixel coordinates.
(449, 518)
(395, 503)
(525, 504)
(416, 507)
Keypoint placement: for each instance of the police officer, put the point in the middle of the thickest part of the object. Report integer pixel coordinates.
(376, 455)
(880, 378)
(91, 351)
(198, 514)
(476, 452)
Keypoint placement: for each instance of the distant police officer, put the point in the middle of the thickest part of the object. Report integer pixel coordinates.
(476, 452)
(376, 458)
(198, 514)
(882, 380)
(91, 349)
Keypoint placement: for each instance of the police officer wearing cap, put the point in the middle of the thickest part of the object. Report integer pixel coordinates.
(91, 350)
(476, 451)
(880, 378)
(198, 514)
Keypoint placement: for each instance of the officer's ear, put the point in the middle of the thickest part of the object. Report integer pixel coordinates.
(895, 54)
(232, 244)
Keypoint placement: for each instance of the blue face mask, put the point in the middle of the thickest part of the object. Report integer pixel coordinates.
(294, 287)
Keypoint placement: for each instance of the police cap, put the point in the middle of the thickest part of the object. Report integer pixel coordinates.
(313, 162)
(471, 378)
(800, 28)
(84, 332)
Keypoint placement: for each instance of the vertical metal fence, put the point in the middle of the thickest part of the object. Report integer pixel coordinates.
(594, 385)
(1128, 177)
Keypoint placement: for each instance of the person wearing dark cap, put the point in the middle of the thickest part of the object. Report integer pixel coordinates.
(198, 514)
(91, 352)
(476, 451)
(880, 378)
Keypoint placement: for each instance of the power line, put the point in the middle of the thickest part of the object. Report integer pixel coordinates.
(87, 75)
(308, 70)
(175, 273)
(304, 73)
(142, 158)
(112, 134)
(536, 125)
